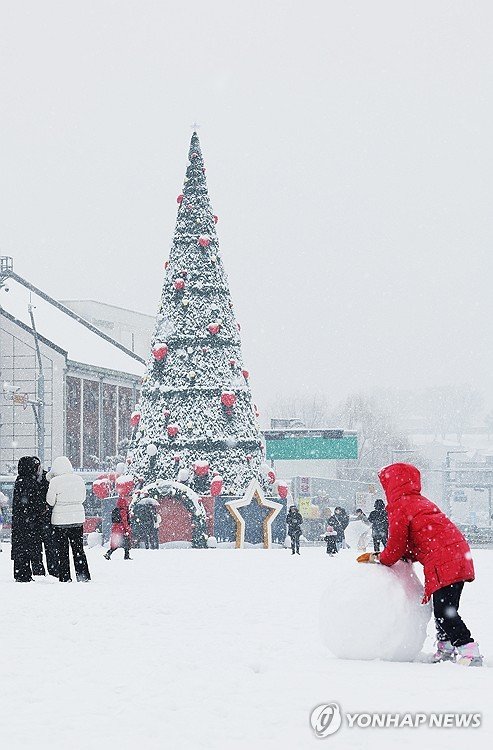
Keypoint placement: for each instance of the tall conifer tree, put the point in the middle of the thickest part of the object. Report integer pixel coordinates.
(196, 414)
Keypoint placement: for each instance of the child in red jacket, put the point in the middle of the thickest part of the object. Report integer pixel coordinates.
(420, 532)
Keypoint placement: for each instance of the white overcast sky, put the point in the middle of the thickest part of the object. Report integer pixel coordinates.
(349, 152)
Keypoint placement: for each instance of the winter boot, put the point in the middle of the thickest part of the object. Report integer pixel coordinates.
(469, 656)
(445, 652)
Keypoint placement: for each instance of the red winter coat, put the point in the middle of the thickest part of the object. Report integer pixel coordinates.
(419, 531)
(119, 530)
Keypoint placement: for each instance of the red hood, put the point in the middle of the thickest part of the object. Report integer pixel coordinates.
(400, 479)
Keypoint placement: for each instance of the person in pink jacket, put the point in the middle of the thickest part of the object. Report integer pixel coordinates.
(120, 517)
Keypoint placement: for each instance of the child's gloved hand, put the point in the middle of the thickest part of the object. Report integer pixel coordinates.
(368, 557)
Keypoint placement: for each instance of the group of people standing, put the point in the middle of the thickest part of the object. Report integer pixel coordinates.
(337, 523)
(48, 514)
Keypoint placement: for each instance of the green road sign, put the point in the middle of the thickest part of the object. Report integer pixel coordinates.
(330, 444)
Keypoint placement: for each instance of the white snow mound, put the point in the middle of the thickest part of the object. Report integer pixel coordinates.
(373, 612)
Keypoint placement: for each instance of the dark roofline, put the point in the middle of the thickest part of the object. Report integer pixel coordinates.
(94, 369)
(25, 327)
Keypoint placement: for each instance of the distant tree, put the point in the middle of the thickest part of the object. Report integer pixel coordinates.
(488, 420)
(379, 440)
(452, 409)
(313, 410)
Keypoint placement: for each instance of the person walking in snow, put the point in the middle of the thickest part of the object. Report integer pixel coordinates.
(143, 522)
(339, 521)
(379, 524)
(27, 509)
(48, 537)
(157, 520)
(67, 495)
(120, 518)
(294, 519)
(4, 503)
(330, 537)
(420, 532)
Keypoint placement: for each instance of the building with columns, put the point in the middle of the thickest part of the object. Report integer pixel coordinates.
(63, 388)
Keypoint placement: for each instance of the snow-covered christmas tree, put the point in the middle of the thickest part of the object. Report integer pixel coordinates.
(196, 422)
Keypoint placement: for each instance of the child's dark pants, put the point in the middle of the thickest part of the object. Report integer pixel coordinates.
(449, 624)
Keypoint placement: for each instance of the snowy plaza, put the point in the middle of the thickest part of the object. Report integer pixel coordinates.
(213, 649)
(246, 393)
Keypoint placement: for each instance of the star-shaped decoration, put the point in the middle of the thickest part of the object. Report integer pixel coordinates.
(254, 494)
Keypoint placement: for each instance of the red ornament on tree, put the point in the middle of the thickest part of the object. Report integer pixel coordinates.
(177, 459)
(179, 198)
(216, 486)
(179, 285)
(204, 241)
(166, 413)
(201, 468)
(173, 430)
(232, 362)
(216, 218)
(245, 374)
(271, 477)
(101, 488)
(159, 351)
(135, 418)
(166, 264)
(228, 399)
(282, 490)
(124, 485)
(214, 328)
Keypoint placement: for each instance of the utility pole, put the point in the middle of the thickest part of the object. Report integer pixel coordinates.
(447, 489)
(39, 404)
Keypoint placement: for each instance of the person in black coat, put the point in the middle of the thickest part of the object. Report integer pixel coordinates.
(294, 519)
(48, 534)
(379, 524)
(27, 510)
(143, 523)
(339, 521)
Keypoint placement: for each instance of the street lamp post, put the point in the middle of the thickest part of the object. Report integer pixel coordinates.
(447, 489)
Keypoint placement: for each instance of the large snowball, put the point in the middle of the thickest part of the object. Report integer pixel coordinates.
(373, 612)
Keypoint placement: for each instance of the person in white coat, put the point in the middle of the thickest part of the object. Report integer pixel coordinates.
(67, 495)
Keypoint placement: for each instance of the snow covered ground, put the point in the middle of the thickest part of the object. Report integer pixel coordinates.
(212, 649)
